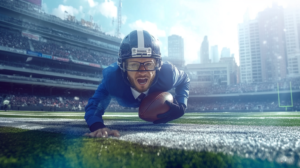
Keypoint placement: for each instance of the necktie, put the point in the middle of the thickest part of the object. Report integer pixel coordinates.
(141, 96)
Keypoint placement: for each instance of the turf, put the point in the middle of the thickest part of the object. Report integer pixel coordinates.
(232, 118)
(30, 148)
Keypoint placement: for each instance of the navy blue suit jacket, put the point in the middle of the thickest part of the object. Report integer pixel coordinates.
(113, 85)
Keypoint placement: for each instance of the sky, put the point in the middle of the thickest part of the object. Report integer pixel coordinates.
(191, 19)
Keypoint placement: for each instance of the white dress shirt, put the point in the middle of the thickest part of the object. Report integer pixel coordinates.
(136, 94)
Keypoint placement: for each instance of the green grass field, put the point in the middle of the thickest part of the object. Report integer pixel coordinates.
(29, 148)
(224, 118)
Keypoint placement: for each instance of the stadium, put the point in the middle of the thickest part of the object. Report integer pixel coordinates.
(49, 68)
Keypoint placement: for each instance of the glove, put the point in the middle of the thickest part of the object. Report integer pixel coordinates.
(176, 111)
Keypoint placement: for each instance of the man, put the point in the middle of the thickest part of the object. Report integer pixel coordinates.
(6, 103)
(138, 72)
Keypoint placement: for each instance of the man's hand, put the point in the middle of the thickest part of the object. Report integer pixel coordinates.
(102, 133)
(176, 111)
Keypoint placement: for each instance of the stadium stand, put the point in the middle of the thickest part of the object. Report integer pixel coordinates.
(14, 39)
(57, 103)
(249, 105)
(32, 10)
(47, 80)
(53, 103)
(49, 69)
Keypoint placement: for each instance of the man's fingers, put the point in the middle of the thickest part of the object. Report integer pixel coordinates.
(175, 101)
(164, 115)
(98, 134)
(164, 120)
(106, 129)
(94, 134)
(105, 132)
(114, 133)
(168, 103)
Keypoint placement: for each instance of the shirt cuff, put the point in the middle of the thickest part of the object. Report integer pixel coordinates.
(90, 120)
(97, 125)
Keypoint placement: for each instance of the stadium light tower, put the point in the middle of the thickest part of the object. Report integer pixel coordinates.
(119, 19)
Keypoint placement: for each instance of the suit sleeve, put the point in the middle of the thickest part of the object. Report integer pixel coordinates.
(181, 82)
(96, 106)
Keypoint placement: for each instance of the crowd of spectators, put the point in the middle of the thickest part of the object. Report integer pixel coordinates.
(49, 81)
(29, 25)
(247, 88)
(89, 55)
(19, 101)
(50, 48)
(72, 52)
(50, 69)
(15, 40)
(34, 11)
(55, 103)
(266, 105)
(78, 104)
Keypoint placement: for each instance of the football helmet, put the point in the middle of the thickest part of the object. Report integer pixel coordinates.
(139, 44)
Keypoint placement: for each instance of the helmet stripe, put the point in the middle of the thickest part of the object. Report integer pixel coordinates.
(140, 38)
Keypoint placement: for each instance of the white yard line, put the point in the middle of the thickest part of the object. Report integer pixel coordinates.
(236, 118)
(136, 115)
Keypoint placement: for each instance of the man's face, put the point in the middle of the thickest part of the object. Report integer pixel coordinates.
(141, 80)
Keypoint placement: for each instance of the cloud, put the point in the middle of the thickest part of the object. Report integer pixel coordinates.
(108, 9)
(61, 9)
(92, 3)
(149, 26)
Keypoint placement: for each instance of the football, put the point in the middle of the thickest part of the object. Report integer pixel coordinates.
(154, 104)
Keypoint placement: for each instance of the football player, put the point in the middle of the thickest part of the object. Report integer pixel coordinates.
(138, 72)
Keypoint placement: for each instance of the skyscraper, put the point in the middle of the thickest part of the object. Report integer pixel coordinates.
(225, 52)
(249, 48)
(272, 43)
(214, 54)
(176, 50)
(292, 36)
(204, 51)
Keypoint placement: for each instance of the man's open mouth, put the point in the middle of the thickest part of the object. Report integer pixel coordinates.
(142, 81)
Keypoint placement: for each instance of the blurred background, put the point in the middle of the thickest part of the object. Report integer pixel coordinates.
(239, 55)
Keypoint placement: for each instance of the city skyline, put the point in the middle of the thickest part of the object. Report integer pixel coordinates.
(188, 19)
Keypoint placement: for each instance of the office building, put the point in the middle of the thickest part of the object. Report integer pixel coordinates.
(214, 54)
(204, 51)
(176, 50)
